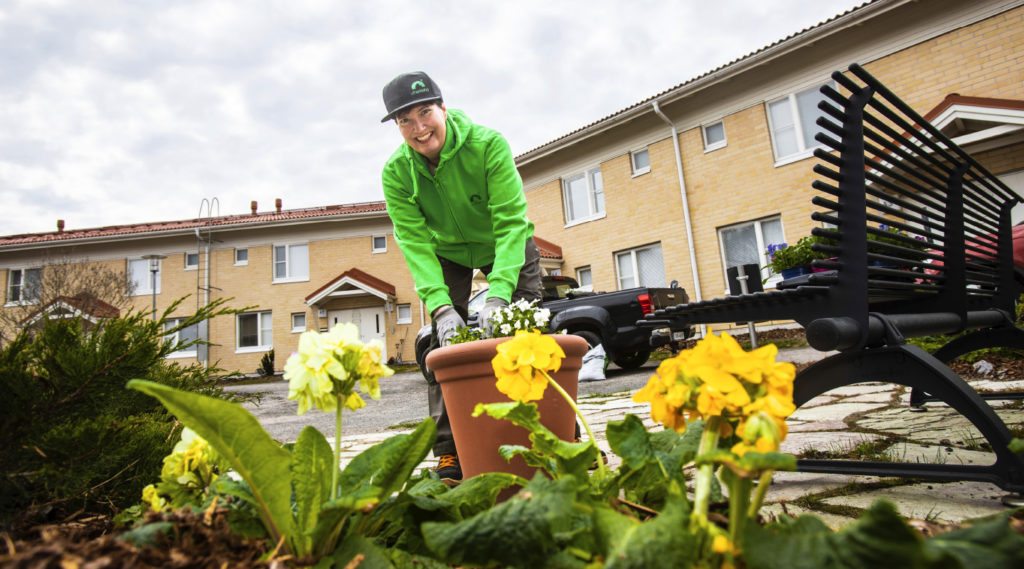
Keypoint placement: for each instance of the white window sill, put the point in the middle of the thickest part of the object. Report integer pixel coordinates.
(253, 349)
(803, 155)
(602, 215)
(403, 322)
(713, 147)
(242, 264)
(298, 330)
(180, 355)
(191, 268)
(304, 279)
(641, 172)
(377, 251)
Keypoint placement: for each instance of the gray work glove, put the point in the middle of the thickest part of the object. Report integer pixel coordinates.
(491, 306)
(447, 320)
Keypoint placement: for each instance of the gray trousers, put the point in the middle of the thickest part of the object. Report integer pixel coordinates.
(459, 280)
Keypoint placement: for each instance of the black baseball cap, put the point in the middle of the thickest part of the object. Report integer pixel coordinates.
(408, 89)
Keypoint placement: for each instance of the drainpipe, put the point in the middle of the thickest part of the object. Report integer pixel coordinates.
(686, 208)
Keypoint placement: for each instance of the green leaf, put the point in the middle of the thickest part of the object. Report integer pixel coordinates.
(660, 542)
(237, 435)
(557, 457)
(1017, 446)
(651, 461)
(523, 531)
(371, 556)
(147, 534)
(389, 464)
(312, 460)
(879, 539)
(992, 545)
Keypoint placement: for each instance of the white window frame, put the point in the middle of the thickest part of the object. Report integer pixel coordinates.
(22, 274)
(636, 269)
(296, 327)
(709, 146)
(805, 148)
(145, 286)
(189, 352)
(241, 262)
(579, 277)
(641, 170)
(373, 244)
(189, 267)
(407, 318)
(264, 332)
(761, 248)
(290, 275)
(596, 206)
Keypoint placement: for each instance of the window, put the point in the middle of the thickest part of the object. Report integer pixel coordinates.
(23, 285)
(255, 331)
(641, 161)
(583, 196)
(140, 278)
(642, 266)
(291, 263)
(379, 244)
(241, 256)
(191, 261)
(298, 321)
(746, 243)
(791, 120)
(714, 136)
(404, 314)
(184, 336)
(584, 278)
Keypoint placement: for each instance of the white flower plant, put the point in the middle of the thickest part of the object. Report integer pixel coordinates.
(520, 315)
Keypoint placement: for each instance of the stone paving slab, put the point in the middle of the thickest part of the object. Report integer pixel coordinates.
(825, 441)
(838, 410)
(788, 486)
(950, 502)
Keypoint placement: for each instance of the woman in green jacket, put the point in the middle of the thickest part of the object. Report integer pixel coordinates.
(457, 204)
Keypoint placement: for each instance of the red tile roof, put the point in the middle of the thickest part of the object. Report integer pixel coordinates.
(547, 249)
(958, 99)
(360, 276)
(220, 222)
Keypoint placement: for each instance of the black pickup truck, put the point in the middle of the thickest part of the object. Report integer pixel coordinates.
(607, 318)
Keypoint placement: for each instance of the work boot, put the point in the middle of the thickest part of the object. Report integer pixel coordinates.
(448, 467)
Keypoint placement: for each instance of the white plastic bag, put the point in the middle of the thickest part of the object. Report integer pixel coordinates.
(593, 364)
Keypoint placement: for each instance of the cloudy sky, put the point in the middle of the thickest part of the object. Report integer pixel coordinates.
(127, 111)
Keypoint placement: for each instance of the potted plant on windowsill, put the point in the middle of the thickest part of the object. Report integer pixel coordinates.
(792, 260)
(464, 371)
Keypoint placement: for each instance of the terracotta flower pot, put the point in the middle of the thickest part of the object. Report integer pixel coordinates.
(467, 378)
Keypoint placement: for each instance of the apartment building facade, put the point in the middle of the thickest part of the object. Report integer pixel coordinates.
(707, 174)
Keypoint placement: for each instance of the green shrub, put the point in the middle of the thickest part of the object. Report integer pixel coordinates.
(71, 436)
(266, 364)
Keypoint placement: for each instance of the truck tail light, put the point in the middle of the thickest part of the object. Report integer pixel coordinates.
(645, 303)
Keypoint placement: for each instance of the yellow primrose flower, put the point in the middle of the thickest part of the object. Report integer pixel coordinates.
(153, 499)
(518, 361)
(311, 371)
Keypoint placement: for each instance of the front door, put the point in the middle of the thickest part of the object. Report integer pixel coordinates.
(369, 320)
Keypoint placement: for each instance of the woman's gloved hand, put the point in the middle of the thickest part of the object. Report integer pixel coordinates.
(491, 305)
(447, 321)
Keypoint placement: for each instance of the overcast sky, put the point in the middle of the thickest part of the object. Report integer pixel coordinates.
(117, 112)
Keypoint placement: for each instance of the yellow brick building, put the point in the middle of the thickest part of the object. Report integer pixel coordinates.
(612, 193)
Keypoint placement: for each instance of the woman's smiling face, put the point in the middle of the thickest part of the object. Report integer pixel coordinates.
(423, 128)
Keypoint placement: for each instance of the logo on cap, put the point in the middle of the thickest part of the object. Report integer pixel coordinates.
(418, 87)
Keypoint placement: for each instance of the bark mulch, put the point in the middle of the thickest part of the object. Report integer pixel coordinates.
(185, 539)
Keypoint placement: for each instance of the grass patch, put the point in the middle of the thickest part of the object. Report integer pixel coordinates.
(408, 425)
(876, 451)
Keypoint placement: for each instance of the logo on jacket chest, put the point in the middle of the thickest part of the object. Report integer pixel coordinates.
(476, 199)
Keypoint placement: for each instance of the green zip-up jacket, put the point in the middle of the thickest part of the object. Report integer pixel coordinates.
(471, 210)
